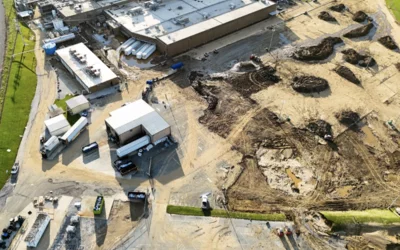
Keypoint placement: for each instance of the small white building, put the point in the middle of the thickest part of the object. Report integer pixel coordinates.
(77, 104)
(57, 125)
(134, 121)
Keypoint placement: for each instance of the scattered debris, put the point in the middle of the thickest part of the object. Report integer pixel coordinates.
(353, 57)
(338, 8)
(347, 74)
(360, 16)
(309, 84)
(388, 42)
(359, 32)
(320, 128)
(348, 117)
(326, 16)
(319, 52)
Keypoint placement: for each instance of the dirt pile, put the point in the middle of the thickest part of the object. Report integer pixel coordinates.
(347, 74)
(360, 16)
(320, 128)
(398, 66)
(348, 117)
(359, 32)
(353, 57)
(338, 8)
(309, 84)
(388, 42)
(326, 16)
(205, 92)
(318, 52)
(252, 82)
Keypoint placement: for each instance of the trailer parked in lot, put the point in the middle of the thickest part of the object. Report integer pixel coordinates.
(133, 146)
(37, 230)
(49, 146)
(74, 131)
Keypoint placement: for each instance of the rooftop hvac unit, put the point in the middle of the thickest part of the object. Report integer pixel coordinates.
(205, 15)
(232, 6)
(180, 7)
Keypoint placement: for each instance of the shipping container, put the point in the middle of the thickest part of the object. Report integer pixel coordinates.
(74, 131)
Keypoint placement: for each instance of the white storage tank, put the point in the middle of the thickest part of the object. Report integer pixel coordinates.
(140, 52)
(148, 52)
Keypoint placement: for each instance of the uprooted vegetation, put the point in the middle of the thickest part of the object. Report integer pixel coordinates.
(348, 117)
(252, 82)
(359, 32)
(360, 16)
(353, 57)
(326, 16)
(338, 8)
(319, 52)
(320, 128)
(347, 74)
(309, 84)
(388, 42)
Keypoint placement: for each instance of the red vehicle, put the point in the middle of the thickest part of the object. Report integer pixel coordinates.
(279, 232)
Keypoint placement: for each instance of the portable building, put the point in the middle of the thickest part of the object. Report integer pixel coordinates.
(57, 125)
(77, 104)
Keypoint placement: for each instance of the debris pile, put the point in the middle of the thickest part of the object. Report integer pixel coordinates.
(338, 8)
(326, 16)
(318, 52)
(348, 117)
(347, 74)
(360, 16)
(266, 74)
(205, 92)
(320, 128)
(388, 42)
(359, 32)
(398, 66)
(309, 84)
(353, 57)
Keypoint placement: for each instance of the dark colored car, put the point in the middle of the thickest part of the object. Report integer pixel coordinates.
(127, 167)
(90, 147)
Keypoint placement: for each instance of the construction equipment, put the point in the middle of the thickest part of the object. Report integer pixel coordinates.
(255, 58)
(205, 204)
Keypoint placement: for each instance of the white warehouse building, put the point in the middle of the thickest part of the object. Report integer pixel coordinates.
(134, 121)
(77, 104)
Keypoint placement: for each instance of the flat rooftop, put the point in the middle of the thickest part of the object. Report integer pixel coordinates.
(75, 7)
(135, 114)
(201, 14)
(81, 70)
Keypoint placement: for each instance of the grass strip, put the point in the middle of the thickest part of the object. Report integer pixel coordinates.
(195, 211)
(394, 7)
(17, 89)
(382, 216)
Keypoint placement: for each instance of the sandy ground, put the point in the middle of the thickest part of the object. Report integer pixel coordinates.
(200, 161)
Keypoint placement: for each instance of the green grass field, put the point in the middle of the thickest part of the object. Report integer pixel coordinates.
(366, 216)
(194, 211)
(394, 7)
(15, 95)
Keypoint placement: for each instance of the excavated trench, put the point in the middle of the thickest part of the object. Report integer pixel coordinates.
(338, 8)
(347, 74)
(309, 84)
(359, 32)
(360, 16)
(319, 52)
(353, 57)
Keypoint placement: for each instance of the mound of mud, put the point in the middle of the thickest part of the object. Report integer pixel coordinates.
(397, 66)
(309, 84)
(206, 92)
(359, 32)
(348, 117)
(338, 8)
(320, 128)
(347, 74)
(318, 52)
(388, 42)
(353, 57)
(326, 16)
(266, 74)
(360, 16)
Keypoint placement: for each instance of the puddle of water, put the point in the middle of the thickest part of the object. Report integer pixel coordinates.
(369, 137)
(344, 191)
(293, 177)
(131, 61)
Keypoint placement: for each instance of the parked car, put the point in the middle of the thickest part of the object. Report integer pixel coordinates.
(15, 168)
(84, 113)
(90, 148)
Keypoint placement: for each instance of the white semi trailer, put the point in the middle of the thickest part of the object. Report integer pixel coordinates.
(133, 146)
(50, 145)
(74, 131)
(37, 230)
